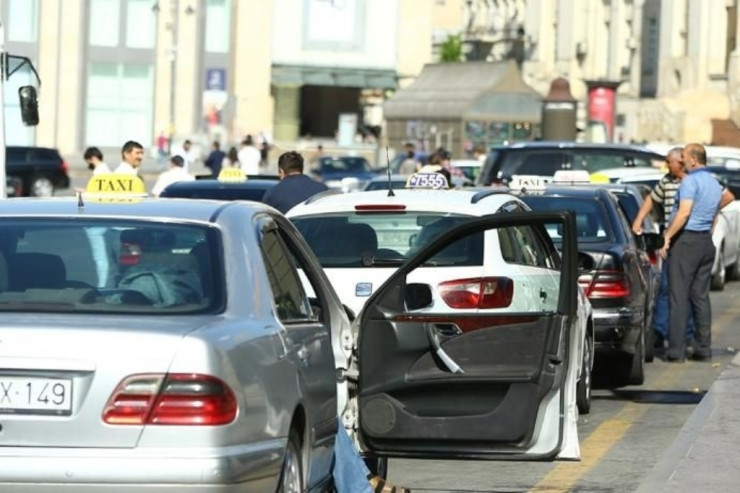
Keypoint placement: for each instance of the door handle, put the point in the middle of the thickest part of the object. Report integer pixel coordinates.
(434, 336)
(447, 330)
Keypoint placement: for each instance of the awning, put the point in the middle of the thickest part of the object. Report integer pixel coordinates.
(338, 77)
(466, 90)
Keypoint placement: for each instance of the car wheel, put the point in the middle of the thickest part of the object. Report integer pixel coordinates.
(733, 272)
(718, 279)
(583, 388)
(291, 477)
(41, 186)
(637, 367)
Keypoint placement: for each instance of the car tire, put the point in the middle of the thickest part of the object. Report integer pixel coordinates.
(650, 345)
(583, 388)
(41, 186)
(718, 279)
(636, 375)
(733, 272)
(378, 466)
(291, 475)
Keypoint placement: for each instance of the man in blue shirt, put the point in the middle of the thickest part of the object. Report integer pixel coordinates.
(688, 243)
(294, 186)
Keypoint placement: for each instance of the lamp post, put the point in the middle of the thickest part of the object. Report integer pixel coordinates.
(174, 9)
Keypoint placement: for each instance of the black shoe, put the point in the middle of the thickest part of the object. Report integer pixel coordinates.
(701, 357)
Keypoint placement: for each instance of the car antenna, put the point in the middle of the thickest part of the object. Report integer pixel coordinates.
(80, 203)
(390, 182)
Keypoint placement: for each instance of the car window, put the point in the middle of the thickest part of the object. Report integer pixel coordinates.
(344, 164)
(40, 154)
(17, 154)
(523, 245)
(109, 266)
(290, 299)
(540, 163)
(594, 160)
(383, 185)
(255, 194)
(592, 222)
(369, 239)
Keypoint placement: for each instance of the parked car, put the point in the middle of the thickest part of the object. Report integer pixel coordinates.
(41, 170)
(13, 187)
(615, 273)
(545, 158)
(346, 173)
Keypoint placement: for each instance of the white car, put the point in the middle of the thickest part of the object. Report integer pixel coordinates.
(725, 235)
(361, 239)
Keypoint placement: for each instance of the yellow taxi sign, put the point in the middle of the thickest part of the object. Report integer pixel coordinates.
(433, 181)
(599, 178)
(232, 175)
(115, 187)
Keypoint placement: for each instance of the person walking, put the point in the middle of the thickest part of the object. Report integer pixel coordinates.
(294, 187)
(215, 159)
(187, 154)
(94, 160)
(174, 174)
(691, 252)
(132, 154)
(249, 157)
(664, 195)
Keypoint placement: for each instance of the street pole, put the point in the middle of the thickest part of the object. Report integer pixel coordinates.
(174, 10)
(3, 71)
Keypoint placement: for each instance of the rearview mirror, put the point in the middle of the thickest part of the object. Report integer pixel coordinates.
(29, 105)
(418, 295)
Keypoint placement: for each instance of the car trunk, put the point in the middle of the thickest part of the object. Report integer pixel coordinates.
(57, 372)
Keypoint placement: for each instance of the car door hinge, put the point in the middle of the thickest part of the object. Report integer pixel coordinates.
(344, 374)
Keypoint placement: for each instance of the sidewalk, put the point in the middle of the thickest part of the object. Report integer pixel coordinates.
(704, 456)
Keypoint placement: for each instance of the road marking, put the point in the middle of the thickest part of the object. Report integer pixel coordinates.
(565, 475)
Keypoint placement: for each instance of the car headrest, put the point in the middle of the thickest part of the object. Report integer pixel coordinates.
(36, 270)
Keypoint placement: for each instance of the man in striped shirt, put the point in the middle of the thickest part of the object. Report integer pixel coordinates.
(664, 193)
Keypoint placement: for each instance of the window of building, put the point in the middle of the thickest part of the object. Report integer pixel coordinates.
(105, 16)
(119, 104)
(218, 26)
(140, 24)
(23, 20)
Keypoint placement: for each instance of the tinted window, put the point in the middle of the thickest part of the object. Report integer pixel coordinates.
(540, 163)
(523, 245)
(592, 223)
(215, 193)
(383, 185)
(290, 299)
(45, 155)
(369, 239)
(345, 164)
(108, 266)
(594, 160)
(17, 154)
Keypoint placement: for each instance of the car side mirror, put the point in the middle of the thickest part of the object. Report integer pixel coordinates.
(586, 262)
(29, 105)
(653, 241)
(418, 295)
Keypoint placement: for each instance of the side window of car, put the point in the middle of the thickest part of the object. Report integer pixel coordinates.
(524, 246)
(288, 293)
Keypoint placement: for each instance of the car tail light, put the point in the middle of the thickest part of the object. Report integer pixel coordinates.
(605, 284)
(174, 399)
(130, 254)
(479, 292)
(380, 207)
(65, 166)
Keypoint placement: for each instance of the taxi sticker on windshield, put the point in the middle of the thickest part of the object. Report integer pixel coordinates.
(434, 181)
(114, 187)
(233, 175)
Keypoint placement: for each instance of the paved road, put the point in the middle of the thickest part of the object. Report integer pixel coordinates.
(621, 439)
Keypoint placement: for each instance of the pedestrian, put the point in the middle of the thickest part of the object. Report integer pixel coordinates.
(664, 195)
(410, 165)
(94, 159)
(294, 187)
(187, 154)
(173, 175)
(249, 157)
(215, 159)
(691, 252)
(132, 154)
(162, 144)
(232, 158)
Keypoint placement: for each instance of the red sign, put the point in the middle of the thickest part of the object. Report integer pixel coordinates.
(601, 107)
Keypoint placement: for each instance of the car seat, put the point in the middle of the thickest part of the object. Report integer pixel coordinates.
(36, 271)
(361, 240)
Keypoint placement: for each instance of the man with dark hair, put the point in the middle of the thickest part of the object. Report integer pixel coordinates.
(131, 153)
(215, 159)
(174, 174)
(294, 186)
(94, 159)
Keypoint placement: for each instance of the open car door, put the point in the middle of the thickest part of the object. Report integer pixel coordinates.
(493, 384)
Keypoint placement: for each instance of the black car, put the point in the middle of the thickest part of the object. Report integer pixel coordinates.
(615, 274)
(40, 169)
(251, 189)
(545, 158)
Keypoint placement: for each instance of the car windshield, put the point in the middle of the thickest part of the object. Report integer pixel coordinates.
(385, 239)
(106, 266)
(593, 161)
(592, 223)
(344, 164)
(383, 185)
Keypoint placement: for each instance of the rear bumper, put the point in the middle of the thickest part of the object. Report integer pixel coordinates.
(616, 329)
(244, 468)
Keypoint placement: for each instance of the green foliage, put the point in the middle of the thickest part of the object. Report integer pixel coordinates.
(451, 49)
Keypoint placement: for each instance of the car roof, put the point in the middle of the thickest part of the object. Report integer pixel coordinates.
(549, 144)
(581, 191)
(458, 201)
(188, 210)
(212, 184)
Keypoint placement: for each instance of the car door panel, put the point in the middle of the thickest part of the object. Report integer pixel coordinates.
(470, 383)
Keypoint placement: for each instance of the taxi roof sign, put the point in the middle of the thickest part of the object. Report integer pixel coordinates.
(232, 175)
(113, 187)
(428, 181)
(529, 182)
(571, 176)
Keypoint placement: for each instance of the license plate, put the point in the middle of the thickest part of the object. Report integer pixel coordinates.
(26, 395)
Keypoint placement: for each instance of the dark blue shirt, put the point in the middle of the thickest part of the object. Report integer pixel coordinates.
(291, 191)
(214, 161)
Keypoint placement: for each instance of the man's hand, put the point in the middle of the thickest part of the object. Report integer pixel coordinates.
(663, 252)
(637, 227)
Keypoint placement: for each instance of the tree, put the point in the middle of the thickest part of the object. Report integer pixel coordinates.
(451, 49)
